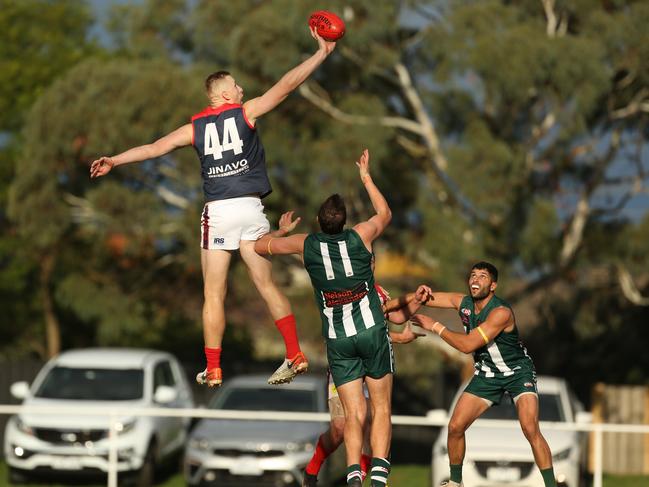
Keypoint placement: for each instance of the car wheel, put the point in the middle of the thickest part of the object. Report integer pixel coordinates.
(17, 476)
(146, 475)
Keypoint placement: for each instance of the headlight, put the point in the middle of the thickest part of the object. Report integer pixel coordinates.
(299, 446)
(24, 428)
(562, 455)
(199, 443)
(124, 427)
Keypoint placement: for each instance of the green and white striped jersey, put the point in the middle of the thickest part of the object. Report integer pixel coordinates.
(503, 355)
(340, 268)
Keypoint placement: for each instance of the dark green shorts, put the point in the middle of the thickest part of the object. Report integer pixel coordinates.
(369, 353)
(492, 388)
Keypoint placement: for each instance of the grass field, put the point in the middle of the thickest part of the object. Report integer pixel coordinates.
(402, 476)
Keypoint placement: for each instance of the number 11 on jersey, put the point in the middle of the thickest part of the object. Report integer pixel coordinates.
(231, 139)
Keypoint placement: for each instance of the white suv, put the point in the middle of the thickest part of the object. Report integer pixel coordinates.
(502, 456)
(49, 445)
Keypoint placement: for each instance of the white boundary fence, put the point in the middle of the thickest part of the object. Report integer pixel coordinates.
(112, 415)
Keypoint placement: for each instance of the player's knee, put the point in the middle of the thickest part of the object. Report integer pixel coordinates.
(214, 293)
(357, 415)
(381, 409)
(456, 428)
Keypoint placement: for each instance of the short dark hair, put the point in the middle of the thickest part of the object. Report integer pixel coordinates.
(332, 214)
(214, 77)
(486, 266)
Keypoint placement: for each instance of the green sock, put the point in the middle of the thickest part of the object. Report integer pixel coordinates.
(353, 473)
(380, 471)
(548, 477)
(456, 473)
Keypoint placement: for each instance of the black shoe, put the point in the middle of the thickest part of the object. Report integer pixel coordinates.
(355, 482)
(309, 480)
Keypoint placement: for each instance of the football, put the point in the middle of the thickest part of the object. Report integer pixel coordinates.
(328, 25)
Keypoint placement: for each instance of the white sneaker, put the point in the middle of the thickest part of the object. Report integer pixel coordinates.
(289, 369)
(450, 483)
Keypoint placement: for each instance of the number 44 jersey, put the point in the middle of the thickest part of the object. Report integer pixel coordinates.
(232, 157)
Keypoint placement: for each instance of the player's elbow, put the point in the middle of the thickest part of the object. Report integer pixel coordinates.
(398, 318)
(385, 214)
(466, 348)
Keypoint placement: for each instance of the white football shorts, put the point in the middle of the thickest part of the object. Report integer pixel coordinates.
(224, 223)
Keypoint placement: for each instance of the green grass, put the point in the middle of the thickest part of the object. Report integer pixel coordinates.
(401, 476)
(626, 481)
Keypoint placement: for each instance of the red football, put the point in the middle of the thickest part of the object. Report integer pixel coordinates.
(328, 25)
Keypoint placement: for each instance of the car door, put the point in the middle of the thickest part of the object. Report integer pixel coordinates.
(170, 429)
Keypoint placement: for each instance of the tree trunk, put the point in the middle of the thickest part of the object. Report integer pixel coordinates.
(52, 328)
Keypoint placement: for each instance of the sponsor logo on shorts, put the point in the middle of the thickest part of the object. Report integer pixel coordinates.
(219, 241)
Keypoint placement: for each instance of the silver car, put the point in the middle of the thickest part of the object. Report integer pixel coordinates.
(257, 452)
(502, 456)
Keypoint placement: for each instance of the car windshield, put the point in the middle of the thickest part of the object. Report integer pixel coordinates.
(266, 399)
(92, 384)
(549, 409)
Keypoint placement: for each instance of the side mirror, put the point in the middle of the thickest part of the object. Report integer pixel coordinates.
(583, 417)
(19, 390)
(165, 395)
(438, 417)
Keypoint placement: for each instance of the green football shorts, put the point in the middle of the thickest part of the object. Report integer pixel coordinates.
(491, 389)
(368, 353)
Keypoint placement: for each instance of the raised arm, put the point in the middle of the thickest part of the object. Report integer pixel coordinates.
(372, 228)
(178, 138)
(257, 107)
(498, 320)
(444, 300)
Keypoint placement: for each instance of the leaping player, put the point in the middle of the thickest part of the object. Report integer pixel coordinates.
(233, 169)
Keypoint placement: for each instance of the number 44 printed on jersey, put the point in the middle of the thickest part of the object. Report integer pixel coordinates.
(231, 139)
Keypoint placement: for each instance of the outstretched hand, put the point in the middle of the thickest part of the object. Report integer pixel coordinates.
(364, 164)
(101, 166)
(323, 45)
(424, 321)
(286, 222)
(408, 335)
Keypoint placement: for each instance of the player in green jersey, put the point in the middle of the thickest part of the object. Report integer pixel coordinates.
(339, 263)
(501, 364)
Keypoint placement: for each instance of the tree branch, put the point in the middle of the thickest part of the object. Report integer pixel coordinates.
(638, 104)
(554, 27)
(427, 129)
(629, 289)
(551, 18)
(337, 114)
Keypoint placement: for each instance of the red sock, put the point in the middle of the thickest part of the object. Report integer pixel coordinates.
(318, 458)
(287, 328)
(213, 356)
(366, 461)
